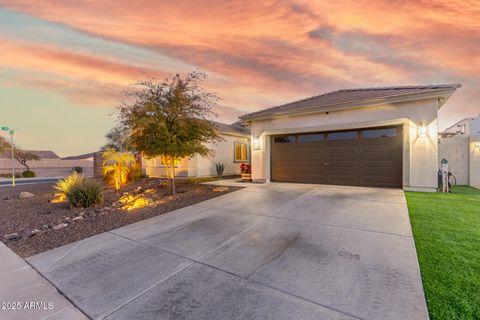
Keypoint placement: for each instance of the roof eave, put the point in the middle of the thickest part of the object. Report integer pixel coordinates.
(444, 93)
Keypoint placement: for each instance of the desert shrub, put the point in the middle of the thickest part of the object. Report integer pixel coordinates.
(78, 169)
(64, 185)
(85, 194)
(28, 174)
(220, 168)
(134, 172)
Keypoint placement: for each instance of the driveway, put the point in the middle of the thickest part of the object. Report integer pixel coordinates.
(273, 251)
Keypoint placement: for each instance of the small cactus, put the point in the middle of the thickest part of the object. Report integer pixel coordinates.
(220, 167)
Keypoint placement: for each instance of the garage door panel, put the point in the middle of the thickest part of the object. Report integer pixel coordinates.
(370, 161)
(343, 179)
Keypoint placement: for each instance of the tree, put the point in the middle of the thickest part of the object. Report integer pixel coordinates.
(118, 164)
(4, 145)
(24, 156)
(118, 139)
(170, 119)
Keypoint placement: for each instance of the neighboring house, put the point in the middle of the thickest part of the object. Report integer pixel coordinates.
(86, 156)
(378, 137)
(232, 151)
(465, 127)
(460, 145)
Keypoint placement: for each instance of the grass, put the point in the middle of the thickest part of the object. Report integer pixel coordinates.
(446, 228)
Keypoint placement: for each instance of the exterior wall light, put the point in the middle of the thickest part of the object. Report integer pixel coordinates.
(422, 130)
(256, 143)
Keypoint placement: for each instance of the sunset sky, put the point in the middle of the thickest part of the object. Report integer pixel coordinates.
(64, 64)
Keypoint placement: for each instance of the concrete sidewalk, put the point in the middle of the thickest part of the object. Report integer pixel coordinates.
(24, 294)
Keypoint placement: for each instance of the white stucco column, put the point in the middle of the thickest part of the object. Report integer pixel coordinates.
(474, 147)
(261, 158)
(423, 156)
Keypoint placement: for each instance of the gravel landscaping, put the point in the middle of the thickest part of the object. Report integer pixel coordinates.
(34, 224)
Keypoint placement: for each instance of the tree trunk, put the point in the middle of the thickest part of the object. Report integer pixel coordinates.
(24, 163)
(118, 180)
(172, 175)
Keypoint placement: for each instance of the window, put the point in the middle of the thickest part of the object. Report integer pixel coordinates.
(240, 152)
(284, 139)
(342, 135)
(163, 161)
(379, 133)
(311, 137)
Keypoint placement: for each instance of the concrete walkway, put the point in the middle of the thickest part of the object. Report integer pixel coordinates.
(24, 294)
(275, 251)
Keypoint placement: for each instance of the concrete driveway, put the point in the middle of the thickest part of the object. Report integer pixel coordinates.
(274, 251)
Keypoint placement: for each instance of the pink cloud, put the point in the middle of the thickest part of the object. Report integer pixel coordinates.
(268, 52)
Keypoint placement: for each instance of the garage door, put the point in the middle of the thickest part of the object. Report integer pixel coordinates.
(362, 157)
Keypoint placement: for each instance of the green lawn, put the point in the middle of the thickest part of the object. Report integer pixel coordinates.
(446, 229)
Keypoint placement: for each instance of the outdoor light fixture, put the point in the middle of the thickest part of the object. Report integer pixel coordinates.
(422, 130)
(256, 143)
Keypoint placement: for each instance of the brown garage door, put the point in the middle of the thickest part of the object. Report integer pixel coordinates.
(362, 157)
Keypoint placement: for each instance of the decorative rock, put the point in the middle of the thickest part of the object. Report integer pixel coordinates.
(12, 236)
(33, 232)
(77, 218)
(25, 194)
(60, 226)
(220, 189)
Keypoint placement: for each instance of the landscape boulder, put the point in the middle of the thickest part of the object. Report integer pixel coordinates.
(220, 189)
(25, 194)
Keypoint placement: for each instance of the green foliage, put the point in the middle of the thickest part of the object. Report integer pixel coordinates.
(4, 145)
(85, 194)
(24, 156)
(63, 186)
(118, 138)
(134, 172)
(78, 169)
(171, 118)
(446, 228)
(28, 174)
(220, 168)
(117, 164)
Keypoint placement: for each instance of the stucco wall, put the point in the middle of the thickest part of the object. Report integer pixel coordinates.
(224, 153)
(474, 161)
(48, 167)
(456, 151)
(420, 154)
(202, 166)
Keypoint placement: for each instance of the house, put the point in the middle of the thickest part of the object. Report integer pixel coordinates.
(377, 137)
(465, 127)
(459, 144)
(42, 154)
(232, 152)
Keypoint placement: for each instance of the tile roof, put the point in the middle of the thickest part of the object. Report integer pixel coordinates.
(232, 128)
(347, 96)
